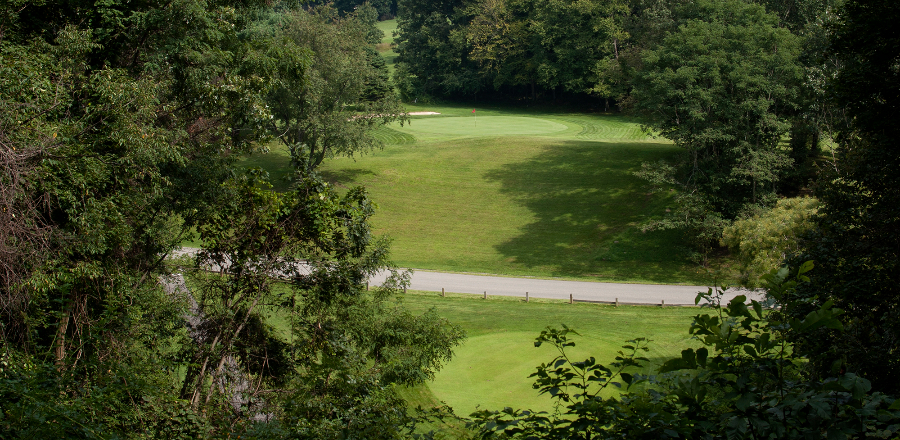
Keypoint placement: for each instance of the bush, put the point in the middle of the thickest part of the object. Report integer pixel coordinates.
(746, 382)
(764, 240)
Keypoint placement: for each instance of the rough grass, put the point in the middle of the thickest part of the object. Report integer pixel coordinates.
(491, 368)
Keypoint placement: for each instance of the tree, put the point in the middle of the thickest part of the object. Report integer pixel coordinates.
(432, 51)
(341, 96)
(856, 239)
(120, 121)
(121, 127)
(770, 237)
(721, 87)
(347, 346)
(385, 9)
(548, 45)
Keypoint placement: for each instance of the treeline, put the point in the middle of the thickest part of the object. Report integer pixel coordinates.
(740, 85)
(385, 9)
(540, 50)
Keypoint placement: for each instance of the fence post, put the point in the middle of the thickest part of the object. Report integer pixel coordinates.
(442, 292)
(617, 302)
(570, 298)
(663, 303)
(367, 286)
(485, 294)
(526, 296)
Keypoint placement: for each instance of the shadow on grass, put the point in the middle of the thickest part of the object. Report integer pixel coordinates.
(588, 208)
(281, 174)
(276, 162)
(344, 177)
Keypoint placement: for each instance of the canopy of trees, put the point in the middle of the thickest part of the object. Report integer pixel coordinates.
(857, 236)
(121, 125)
(122, 122)
(517, 47)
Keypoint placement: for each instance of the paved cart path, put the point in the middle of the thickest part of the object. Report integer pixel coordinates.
(550, 289)
(559, 289)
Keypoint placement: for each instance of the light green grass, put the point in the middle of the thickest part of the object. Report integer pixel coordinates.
(491, 368)
(388, 27)
(559, 202)
(386, 48)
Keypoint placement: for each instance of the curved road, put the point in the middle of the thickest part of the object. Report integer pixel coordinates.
(559, 289)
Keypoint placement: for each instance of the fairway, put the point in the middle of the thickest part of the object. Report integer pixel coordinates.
(491, 368)
(484, 126)
(522, 193)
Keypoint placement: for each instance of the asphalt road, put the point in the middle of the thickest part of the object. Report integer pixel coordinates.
(558, 289)
(430, 281)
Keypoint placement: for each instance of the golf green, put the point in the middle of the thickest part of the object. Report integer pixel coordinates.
(484, 126)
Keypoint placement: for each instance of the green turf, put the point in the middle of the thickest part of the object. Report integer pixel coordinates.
(491, 368)
(386, 48)
(558, 202)
(487, 126)
(388, 27)
(277, 161)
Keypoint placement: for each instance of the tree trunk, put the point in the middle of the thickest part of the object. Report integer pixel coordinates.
(60, 341)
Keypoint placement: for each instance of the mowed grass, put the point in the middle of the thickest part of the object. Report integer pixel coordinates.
(490, 370)
(516, 193)
(386, 48)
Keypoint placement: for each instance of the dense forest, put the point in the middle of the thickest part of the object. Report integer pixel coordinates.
(121, 126)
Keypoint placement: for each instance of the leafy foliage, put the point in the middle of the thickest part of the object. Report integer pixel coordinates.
(123, 123)
(518, 48)
(693, 213)
(722, 87)
(341, 96)
(747, 381)
(771, 236)
(856, 240)
(432, 50)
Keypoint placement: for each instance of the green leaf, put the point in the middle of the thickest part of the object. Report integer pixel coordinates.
(805, 267)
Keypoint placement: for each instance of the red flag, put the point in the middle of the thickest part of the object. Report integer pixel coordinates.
(473, 110)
